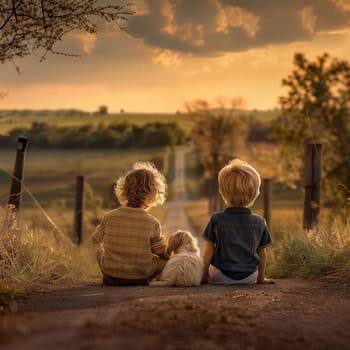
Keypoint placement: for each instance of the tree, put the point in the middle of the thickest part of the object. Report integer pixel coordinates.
(216, 134)
(31, 25)
(102, 110)
(317, 109)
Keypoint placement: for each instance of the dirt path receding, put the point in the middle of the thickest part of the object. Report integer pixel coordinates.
(290, 315)
(176, 217)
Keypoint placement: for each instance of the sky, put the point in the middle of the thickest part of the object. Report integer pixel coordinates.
(177, 51)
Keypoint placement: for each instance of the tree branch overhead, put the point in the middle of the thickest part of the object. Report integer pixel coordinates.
(30, 25)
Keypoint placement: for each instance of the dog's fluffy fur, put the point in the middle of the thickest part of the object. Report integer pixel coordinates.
(185, 266)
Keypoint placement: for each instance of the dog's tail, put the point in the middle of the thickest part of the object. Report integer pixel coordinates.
(164, 283)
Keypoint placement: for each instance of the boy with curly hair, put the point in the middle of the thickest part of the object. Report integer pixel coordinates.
(235, 239)
(133, 248)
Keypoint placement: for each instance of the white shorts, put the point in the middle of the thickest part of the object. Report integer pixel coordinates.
(217, 277)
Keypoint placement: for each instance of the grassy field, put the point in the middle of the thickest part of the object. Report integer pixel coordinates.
(50, 176)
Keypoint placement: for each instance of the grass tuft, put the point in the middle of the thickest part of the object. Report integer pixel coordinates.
(32, 255)
(321, 252)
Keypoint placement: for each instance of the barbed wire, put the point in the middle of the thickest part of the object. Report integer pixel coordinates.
(36, 202)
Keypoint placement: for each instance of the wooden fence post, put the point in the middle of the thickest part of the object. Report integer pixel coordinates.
(78, 215)
(16, 184)
(313, 166)
(267, 185)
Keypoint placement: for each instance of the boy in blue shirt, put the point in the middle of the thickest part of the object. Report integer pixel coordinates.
(235, 239)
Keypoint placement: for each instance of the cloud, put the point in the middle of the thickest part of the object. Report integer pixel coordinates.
(342, 5)
(166, 58)
(167, 9)
(235, 17)
(308, 19)
(88, 41)
(209, 27)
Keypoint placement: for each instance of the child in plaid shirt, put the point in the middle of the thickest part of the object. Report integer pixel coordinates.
(133, 248)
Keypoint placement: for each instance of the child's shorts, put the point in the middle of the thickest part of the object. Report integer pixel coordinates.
(155, 269)
(217, 277)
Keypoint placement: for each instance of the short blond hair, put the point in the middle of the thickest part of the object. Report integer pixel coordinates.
(239, 183)
(142, 186)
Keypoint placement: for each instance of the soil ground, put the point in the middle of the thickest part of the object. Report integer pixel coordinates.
(291, 314)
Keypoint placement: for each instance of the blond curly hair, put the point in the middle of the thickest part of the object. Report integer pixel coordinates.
(239, 183)
(142, 186)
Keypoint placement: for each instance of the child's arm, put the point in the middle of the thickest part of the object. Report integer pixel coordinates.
(97, 236)
(261, 269)
(208, 252)
(159, 247)
(158, 243)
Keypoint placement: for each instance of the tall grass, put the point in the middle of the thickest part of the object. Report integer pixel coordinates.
(32, 254)
(321, 252)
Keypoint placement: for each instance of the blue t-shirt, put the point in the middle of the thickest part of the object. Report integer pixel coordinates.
(237, 234)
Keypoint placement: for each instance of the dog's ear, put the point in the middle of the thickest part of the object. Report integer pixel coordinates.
(174, 242)
(192, 244)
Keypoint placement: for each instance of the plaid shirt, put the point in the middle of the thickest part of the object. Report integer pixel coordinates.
(129, 238)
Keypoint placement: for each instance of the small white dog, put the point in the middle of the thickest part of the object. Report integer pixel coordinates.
(185, 266)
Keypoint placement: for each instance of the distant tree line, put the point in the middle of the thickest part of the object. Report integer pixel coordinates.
(42, 113)
(72, 112)
(114, 135)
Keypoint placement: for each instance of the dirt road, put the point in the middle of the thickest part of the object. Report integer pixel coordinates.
(292, 314)
(175, 217)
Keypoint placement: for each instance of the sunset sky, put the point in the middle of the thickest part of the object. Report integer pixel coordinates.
(180, 50)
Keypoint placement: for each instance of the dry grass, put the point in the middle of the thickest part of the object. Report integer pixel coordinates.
(30, 255)
(321, 252)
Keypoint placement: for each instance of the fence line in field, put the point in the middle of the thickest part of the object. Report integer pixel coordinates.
(313, 164)
(36, 202)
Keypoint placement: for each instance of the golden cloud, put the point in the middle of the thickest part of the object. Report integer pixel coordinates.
(343, 5)
(187, 32)
(87, 40)
(308, 19)
(166, 58)
(235, 17)
(167, 9)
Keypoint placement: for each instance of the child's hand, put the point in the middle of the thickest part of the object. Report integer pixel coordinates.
(265, 281)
